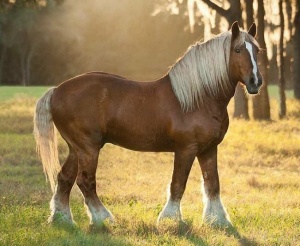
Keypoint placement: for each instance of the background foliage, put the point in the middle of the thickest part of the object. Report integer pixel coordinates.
(45, 42)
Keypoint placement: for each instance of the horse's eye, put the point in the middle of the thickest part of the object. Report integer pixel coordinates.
(237, 50)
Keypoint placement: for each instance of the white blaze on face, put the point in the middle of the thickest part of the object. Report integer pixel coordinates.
(250, 50)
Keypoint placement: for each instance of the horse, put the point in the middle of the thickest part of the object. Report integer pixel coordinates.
(184, 112)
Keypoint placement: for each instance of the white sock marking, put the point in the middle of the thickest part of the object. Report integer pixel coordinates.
(249, 48)
(98, 215)
(214, 212)
(58, 208)
(171, 210)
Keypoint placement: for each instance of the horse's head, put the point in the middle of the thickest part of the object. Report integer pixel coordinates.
(243, 58)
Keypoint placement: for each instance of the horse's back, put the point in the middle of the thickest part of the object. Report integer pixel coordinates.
(90, 89)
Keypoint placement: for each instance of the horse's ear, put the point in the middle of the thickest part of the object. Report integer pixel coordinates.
(252, 30)
(235, 30)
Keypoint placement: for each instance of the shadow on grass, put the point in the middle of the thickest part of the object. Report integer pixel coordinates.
(95, 235)
(243, 241)
(182, 229)
(101, 228)
(104, 235)
(61, 225)
(185, 229)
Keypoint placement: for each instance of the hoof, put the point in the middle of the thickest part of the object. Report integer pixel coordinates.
(98, 228)
(110, 218)
(170, 211)
(171, 216)
(61, 218)
(100, 225)
(217, 222)
(98, 217)
(100, 221)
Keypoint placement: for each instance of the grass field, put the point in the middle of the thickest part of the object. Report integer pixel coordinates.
(259, 172)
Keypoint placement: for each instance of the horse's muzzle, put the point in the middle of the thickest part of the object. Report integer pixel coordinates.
(252, 86)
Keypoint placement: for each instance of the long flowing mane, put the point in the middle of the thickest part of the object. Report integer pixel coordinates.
(203, 71)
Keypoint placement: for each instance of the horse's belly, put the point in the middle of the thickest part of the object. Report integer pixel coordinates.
(140, 140)
(143, 146)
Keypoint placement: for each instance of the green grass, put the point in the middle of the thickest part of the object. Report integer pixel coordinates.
(11, 92)
(259, 172)
(274, 92)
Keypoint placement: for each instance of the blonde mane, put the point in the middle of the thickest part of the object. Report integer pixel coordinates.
(203, 71)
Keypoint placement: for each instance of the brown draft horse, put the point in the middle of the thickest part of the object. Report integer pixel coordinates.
(184, 112)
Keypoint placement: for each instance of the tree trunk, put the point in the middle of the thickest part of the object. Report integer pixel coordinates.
(296, 40)
(273, 73)
(240, 103)
(28, 66)
(261, 103)
(2, 59)
(249, 13)
(281, 81)
(23, 68)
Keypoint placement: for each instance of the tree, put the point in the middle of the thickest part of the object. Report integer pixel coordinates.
(249, 13)
(281, 81)
(296, 41)
(25, 44)
(17, 21)
(261, 103)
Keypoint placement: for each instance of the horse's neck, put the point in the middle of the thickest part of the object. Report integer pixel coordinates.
(221, 101)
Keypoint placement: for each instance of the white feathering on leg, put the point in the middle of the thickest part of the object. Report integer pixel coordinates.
(214, 212)
(171, 210)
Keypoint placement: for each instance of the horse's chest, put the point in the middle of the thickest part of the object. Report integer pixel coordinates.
(211, 131)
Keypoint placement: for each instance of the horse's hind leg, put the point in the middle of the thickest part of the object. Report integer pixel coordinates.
(65, 180)
(86, 180)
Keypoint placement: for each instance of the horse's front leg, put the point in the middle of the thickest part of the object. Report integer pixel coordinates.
(214, 213)
(182, 166)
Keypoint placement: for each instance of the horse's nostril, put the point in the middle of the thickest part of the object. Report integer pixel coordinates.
(252, 81)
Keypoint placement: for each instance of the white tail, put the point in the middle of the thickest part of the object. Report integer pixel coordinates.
(45, 137)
